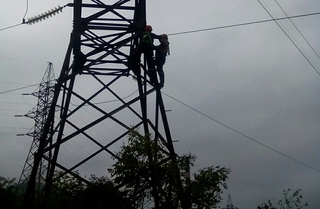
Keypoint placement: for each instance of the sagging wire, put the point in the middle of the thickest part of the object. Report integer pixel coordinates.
(23, 19)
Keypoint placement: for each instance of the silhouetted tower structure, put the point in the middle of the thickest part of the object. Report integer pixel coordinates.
(99, 102)
(39, 114)
(229, 204)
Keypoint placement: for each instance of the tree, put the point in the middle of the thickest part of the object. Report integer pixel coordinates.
(206, 186)
(145, 170)
(290, 201)
(63, 194)
(71, 193)
(102, 193)
(8, 197)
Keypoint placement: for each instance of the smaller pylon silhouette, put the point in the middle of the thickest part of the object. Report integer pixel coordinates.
(39, 114)
(229, 204)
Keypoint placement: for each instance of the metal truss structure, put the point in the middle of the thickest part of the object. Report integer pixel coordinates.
(99, 97)
(39, 114)
(229, 204)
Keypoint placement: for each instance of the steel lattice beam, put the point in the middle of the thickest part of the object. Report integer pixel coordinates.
(39, 114)
(96, 72)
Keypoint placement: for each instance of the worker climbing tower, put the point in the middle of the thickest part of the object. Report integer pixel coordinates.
(100, 96)
(39, 114)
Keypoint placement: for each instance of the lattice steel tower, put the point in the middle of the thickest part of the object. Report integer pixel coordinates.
(99, 103)
(39, 114)
(230, 204)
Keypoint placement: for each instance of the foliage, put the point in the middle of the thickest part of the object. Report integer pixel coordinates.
(71, 193)
(102, 193)
(134, 168)
(7, 194)
(63, 194)
(291, 201)
(146, 171)
(206, 187)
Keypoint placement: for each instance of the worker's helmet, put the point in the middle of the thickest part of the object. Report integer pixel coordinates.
(148, 28)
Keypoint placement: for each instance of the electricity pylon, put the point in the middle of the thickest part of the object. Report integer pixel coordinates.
(39, 114)
(96, 96)
(229, 204)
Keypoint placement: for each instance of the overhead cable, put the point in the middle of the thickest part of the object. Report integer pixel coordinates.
(37, 18)
(241, 24)
(242, 134)
(298, 30)
(219, 27)
(23, 19)
(108, 101)
(10, 27)
(3, 92)
(290, 38)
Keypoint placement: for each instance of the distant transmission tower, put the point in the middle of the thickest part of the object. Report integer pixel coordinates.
(96, 95)
(229, 204)
(39, 114)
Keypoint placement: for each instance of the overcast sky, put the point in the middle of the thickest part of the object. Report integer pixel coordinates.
(258, 92)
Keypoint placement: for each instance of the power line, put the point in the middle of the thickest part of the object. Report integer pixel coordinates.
(3, 92)
(116, 100)
(11, 26)
(15, 58)
(36, 18)
(290, 38)
(3, 109)
(17, 103)
(26, 11)
(8, 132)
(215, 28)
(242, 24)
(298, 30)
(13, 127)
(13, 83)
(108, 101)
(242, 134)
(221, 27)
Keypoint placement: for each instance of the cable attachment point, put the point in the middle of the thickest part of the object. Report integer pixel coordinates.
(44, 15)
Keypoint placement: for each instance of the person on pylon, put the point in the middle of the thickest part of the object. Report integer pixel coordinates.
(147, 47)
(162, 51)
